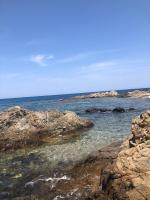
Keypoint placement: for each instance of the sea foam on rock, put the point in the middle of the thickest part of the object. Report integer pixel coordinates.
(20, 127)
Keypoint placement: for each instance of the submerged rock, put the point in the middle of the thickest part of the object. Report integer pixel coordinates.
(20, 127)
(128, 177)
(98, 95)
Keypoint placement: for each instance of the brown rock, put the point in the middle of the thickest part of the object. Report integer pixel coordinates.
(141, 128)
(20, 127)
(129, 175)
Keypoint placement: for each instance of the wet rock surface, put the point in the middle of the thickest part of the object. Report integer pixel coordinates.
(20, 127)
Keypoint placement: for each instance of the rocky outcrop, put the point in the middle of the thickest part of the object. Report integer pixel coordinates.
(20, 127)
(139, 94)
(98, 95)
(129, 175)
(140, 129)
(95, 110)
(103, 110)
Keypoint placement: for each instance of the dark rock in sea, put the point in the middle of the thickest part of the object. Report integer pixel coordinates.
(93, 110)
(103, 110)
(119, 109)
(20, 127)
(131, 109)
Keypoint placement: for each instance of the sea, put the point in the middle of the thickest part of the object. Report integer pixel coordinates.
(67, 150)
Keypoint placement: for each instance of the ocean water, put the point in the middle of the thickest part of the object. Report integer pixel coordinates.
(109, 127)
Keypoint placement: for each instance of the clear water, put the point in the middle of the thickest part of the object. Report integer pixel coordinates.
(108, 127)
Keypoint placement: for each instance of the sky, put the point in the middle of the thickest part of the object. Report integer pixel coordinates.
(69, 46)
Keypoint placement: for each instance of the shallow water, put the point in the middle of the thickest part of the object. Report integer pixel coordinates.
(109, 127)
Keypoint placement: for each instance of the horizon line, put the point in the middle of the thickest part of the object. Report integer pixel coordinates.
(72, 93)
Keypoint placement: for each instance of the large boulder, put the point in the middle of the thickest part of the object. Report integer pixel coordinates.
(129, 175)
(141, 128)
(20, 127)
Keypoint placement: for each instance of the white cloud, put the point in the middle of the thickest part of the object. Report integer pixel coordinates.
(41, 59)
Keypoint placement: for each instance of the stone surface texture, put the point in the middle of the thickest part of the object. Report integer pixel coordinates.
(20, 127)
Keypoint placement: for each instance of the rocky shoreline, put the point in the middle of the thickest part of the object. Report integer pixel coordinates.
(133, 94)
(120, 171)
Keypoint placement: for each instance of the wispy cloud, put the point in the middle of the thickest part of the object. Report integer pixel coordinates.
(94, 67)
(80, 56)
(41, 59)
(73, 58)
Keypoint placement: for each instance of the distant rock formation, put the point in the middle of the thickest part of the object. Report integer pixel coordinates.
(129, 175)
(98, 95)
(20, 127)
(139, 94)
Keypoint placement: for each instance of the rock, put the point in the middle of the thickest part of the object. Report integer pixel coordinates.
(131, 109)
(20, 127)
(119, 109)
(98, 95)
(139, 94)
(102, 110)
(93, 110)
(141, 128)
(128, 177)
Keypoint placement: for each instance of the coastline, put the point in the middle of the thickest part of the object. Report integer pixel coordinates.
(86, 174)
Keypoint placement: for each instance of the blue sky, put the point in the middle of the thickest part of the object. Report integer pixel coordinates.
(68, 46)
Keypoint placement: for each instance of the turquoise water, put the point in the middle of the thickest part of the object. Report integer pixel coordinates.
(63, 150)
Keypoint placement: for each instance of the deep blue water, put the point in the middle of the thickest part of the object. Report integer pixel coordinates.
(108, 127)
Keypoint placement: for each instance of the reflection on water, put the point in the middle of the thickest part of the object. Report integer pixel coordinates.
(28, 164)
